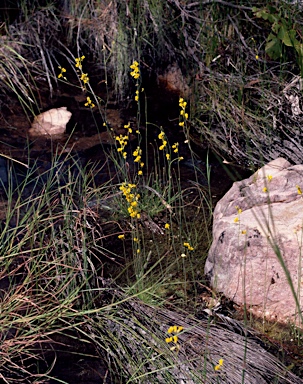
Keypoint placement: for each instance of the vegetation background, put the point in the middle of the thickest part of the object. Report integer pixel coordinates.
(113, 272)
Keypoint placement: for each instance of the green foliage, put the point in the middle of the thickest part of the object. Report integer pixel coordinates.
(283, 33)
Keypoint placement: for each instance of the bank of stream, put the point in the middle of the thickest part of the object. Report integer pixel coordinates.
(198, 181)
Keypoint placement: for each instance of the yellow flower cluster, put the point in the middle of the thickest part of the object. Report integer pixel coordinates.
(132, 199)
(135, 70)
(175, 147)
(121, 237)
(89, 103)
(122, 140)
(127, 126)
(219, 366)
(188, 246)
(63, 70)
(137, 155)
(183, 114)
(161, 136)
(174, 338)
(84, 78)
(137, 96)
(79, 61)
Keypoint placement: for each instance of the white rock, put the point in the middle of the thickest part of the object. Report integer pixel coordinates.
(242, 263)
(51, 123)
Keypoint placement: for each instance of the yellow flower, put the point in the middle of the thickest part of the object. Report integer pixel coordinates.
(134, 65)
(181, 123)
(269, 177)
(63, 70)
(172, 339)
(137, 96)
(166, 226)
(188, 246)
(219, 366)
(161, 135)
(167, 156)
(89, 103)
(236, 219)
(175, 147)
(138, 251)
(79, 61)
(127, 126)
(264, 189)
(84, 78)
(121, 237)
(244, 232)
(135, 70)
(182, 103)
(140, 173)
(299, 190)
(238, 209)
(257, 57)
(175, 329)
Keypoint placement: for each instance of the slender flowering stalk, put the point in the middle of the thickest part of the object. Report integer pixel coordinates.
(183, 113)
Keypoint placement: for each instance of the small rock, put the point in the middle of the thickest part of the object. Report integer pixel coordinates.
(51, 123)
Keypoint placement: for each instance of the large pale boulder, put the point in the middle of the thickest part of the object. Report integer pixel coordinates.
(51, 123)
(257, 234)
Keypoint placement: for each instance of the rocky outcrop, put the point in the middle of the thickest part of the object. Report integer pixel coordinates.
(257, 242)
